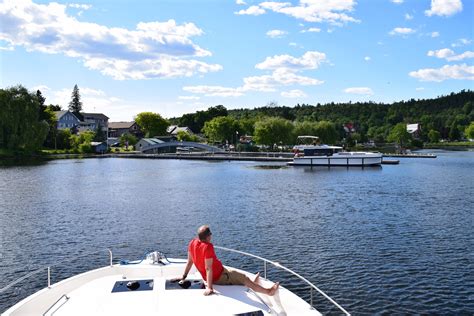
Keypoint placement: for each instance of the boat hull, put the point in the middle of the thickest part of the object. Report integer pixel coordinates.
(339, 160)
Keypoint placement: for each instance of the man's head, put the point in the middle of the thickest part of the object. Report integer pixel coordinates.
(204, 233)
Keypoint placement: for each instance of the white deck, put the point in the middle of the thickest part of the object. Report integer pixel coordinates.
(90, 293)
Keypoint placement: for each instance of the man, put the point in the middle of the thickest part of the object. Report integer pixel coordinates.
(201, 253)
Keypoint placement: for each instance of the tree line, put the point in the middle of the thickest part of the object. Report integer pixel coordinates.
(27, 124)
(445, 117)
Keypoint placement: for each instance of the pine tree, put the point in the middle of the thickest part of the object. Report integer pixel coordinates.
(75, 105)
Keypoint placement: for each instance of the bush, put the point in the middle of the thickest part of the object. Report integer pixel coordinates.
(417, 143)
(85, 148)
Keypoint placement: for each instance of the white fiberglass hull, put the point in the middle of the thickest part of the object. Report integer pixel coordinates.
(340, 159)
(92, 293)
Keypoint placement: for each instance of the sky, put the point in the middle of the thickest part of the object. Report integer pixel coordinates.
(175, 57)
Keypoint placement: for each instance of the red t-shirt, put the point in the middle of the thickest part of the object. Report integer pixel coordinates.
(201, 250)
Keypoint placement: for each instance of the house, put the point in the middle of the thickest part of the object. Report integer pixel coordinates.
(174, 129)
(145, 143)
(117, 129)
(92, 121)
(66, 119)
(99, 147)
(414, 130)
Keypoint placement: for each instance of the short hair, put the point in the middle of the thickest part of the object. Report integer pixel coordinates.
(204, 232)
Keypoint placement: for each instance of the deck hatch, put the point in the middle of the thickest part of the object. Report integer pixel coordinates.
(133, 286)
(192, 284)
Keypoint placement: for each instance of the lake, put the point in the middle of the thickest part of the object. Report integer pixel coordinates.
(396, 239)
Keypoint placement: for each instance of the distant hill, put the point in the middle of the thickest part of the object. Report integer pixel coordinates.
(449, 115)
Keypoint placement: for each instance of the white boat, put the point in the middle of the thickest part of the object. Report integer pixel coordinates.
(145, 287)
(309, 152)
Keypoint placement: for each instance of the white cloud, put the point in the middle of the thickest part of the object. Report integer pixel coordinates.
(211, 91)
(284, 69)
(434, 34)
(188, 97)
(441, 53)
(293, 44)
(397, 1)
(310, 60)
(420, 89)
(444, 7)
(459, 72)
(279, 77)
(408, 17)
(367, 58)
(312, 30)
(253, 10)
(80, 6)
(276, 33)
(359, 90)
(449, 55)
(293, 94)
(334, 12)
(152, 50)
(240, 2)
(461, 42)
(402, 31)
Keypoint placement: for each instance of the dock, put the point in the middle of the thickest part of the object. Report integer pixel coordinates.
(410, 155)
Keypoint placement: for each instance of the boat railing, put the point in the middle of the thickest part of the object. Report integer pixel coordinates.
(278, 265)
(48, 269)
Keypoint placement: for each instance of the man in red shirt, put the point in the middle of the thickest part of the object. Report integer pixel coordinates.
(201, 253)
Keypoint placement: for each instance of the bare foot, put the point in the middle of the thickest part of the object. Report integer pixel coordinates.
(273, 289)
(257, 276)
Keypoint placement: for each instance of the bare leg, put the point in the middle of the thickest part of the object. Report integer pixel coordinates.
(260, 289)
(257, 276)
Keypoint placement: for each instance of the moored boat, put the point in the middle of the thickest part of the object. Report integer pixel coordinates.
(146, 287)
(309, 152)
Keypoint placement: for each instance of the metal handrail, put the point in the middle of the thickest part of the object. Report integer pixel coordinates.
(278, 265)
(48, 268)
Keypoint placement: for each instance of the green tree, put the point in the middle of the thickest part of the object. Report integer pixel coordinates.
(75, 105)
(99, 134)
(152, 124)
(306, 128)
(128, 138)
(82, 142)
(454, 133)
(63, 139)
(274, 130)
(184, 136)
(20, 126)
(399, 135)
(434, 136)
(469, 131)
(326, 131)
(220, 129)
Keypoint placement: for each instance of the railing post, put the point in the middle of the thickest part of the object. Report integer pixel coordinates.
(49, 277)
(265, 270)
(311, 297)
(111, 256)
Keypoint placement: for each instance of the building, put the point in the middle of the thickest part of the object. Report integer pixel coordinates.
(117, 129)
(145, 143)
(66, 119)
(92, 121)
(414, 130)
(174, 129)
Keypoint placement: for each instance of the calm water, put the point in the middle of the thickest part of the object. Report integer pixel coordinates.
(396, 239)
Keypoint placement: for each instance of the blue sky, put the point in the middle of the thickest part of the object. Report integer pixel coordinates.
(176, 57)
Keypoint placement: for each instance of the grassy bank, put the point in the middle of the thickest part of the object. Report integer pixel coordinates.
(449, 145)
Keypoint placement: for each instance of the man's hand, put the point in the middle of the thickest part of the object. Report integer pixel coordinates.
(176, 279)
(208, 292)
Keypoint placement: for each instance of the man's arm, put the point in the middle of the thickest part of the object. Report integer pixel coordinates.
(209, 289)
(189, 264)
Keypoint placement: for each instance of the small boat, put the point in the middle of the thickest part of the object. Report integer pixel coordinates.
(309, 152)
(146, 287)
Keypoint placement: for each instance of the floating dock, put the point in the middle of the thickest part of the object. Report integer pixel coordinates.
(410, 155)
